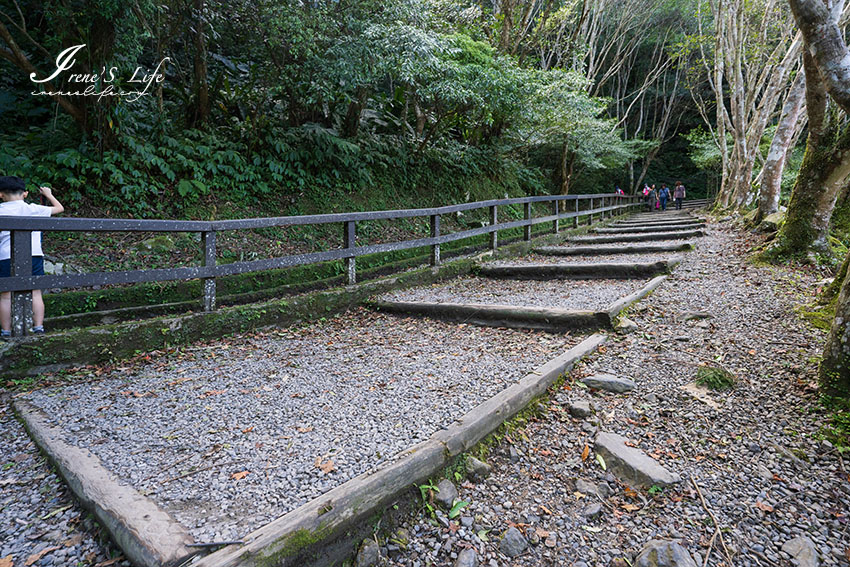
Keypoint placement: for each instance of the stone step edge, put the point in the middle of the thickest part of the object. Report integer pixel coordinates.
(644, 228)
(605, 250)
(600, 270)
(624, 303)
(646, 237)
(147, 535)
(282, 542)
(511, 316)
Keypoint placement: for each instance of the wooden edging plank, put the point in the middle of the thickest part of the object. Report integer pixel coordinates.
(285, 541)
(539, 318)
(149, 536)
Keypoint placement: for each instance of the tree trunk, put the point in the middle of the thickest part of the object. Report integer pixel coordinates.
(352, 118)
(771, 179)
(834, 371)
(567, 165)
(201, 111)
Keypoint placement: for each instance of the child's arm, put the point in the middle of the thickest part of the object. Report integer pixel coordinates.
(55, 206)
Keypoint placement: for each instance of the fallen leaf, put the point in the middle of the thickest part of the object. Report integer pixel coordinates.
(248, 429)
(541, 533)
(212, 393)
(545, 510)
(36, 556)
(601, 462)
(764, 507)
(585, 453)
(326, 466)
(630, 492)
(304, 429)
(240, 475)
(6, 561)
(630, 507)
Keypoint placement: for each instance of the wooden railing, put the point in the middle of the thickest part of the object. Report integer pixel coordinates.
(563, 207)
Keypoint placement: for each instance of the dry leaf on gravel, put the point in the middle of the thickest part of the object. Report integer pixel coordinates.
(304, 429)
(764, 507)
(240, 475)
(326, 466)
(248, 429)
(6, 561)
(541, 533)
(585, 453)
(36, 556)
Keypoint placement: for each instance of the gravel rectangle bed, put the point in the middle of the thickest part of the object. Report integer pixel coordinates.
(594, 259)
(230, 435)
(593, 295)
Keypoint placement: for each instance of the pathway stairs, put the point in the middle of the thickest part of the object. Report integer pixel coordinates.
(311, 534)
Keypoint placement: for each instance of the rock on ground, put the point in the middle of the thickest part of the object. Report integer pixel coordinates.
(659, 553)
(803, 550)
(369, 554)
(513, 542)
(609, 382)
(632, 465)
(447, 493)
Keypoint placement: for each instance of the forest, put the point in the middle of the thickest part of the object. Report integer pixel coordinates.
(201, 109)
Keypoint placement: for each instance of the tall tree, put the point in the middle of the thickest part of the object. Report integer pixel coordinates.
(747, 57)
(828, 71)
(786, 130)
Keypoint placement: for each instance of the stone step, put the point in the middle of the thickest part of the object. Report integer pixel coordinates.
(553, 320)
(647, 237)
(580, 271)
(644, 228)
(685, 220)
(630, 464)
(605, 250)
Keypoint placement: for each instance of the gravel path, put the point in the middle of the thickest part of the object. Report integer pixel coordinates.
(593, 295)
(758, 460)
(230, 435)
(39, 521)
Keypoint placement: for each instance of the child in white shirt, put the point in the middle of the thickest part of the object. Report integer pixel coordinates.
(12, 194)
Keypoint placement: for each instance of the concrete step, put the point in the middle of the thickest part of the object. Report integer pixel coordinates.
(608, 271)
(647, 237)
(654, 228)
(552, 320)
(605, 250)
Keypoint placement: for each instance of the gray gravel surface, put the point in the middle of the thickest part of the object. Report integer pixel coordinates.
(557, 294)
(757, 460)
(39, 521)
(230, 435)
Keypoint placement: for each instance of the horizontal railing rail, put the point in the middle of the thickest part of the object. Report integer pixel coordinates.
(602, 205)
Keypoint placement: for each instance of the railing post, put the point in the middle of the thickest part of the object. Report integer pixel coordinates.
(494, 220)
(555, 226)
(349, 238)
(605, 201)
(208, 241)
(21, 265)
(575, 218)
(590, 216)
(435, 232)
(526, 233)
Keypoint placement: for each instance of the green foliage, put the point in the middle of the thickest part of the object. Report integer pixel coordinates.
(837, 428)
(715, 378)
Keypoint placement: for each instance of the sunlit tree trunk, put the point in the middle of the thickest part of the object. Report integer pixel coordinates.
(771, 179)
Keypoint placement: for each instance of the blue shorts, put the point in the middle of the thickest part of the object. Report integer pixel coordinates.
(37, 267)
